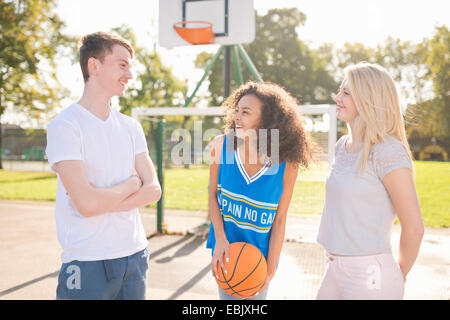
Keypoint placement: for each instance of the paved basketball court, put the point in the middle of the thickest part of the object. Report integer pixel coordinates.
(179, 264)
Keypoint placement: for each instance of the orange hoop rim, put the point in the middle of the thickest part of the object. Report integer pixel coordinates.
(178, 25)
(195, 35)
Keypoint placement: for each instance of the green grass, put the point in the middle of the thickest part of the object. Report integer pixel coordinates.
(433, 187)
(188, 190)
(27, 185)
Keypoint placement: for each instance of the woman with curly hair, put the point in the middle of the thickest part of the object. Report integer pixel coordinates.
(370, 182)
(253, 170)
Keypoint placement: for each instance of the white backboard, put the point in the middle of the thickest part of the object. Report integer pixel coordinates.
(241, 20)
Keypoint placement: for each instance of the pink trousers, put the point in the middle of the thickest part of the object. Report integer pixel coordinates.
(362, 278)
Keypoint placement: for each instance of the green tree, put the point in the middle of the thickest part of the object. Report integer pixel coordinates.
(30, 37)
(404, 60)
(352, 53)
(281, 57)
(430, 119)
(439, 62)
(422, 73)
(154, 85)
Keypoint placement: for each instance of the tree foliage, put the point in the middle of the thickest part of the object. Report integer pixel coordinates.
(422, 74)
(154, 84)
(281, 57)
(430, 119)
(31, 41)
(30, 37)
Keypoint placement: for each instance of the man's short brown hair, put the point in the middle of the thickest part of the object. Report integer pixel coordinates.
(97, 45)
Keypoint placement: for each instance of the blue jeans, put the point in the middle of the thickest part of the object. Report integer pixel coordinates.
(115, 279)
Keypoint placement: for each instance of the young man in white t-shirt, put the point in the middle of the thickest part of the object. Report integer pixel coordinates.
(104, 175)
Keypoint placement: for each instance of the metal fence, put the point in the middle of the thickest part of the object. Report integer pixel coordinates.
(22, 144)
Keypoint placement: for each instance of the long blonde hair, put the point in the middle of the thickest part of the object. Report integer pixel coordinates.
(377, 102)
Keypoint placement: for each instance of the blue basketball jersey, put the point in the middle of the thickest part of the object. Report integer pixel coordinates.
(248, 204)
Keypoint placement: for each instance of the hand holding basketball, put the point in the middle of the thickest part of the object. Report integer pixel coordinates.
(221, 252)
(264, 286)
(246, 271)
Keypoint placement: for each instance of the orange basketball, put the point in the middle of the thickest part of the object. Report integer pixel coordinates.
(247, 271)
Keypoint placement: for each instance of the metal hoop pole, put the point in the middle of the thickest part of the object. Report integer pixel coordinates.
(207, 69)
(249, 63)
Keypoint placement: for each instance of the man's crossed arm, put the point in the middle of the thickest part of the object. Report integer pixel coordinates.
(90, 201)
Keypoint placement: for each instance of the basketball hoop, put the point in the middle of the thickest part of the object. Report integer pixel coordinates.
(202, 34)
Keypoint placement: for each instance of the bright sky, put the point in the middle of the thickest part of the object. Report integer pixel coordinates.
(367, 21)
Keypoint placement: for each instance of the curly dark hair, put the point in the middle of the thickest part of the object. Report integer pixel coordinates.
(278, 112)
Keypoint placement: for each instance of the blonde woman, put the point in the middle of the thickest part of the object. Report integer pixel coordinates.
(370, 182)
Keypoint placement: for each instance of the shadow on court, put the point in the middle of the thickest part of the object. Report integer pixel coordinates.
(189, 247)
(193, 243)
(28, 283)
(179, 265)
(188, 285)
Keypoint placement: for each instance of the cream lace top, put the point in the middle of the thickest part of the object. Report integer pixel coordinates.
(358, 213)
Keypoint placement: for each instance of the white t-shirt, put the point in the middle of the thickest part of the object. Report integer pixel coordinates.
(108, 150)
